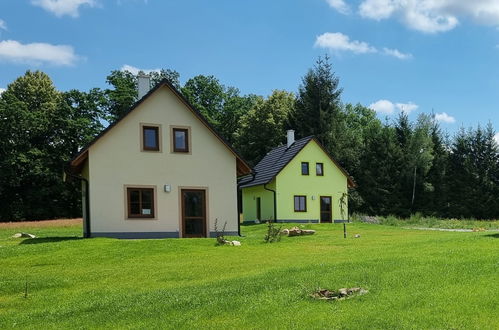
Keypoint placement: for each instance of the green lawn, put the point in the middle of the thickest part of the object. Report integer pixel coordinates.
(416, 279)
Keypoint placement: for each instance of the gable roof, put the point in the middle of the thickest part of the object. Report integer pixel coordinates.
(277, 159)
(242, 167)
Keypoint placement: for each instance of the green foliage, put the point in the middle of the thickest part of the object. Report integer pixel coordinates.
(318, 106)
(416, 279)
(264, 126)
(222, 106)
(273, 233)
(40, 130)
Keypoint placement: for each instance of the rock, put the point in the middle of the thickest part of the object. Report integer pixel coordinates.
(236, 243)
(257, 221)
(295, 231)
(357, 236)
(308, 232)
(23, 235)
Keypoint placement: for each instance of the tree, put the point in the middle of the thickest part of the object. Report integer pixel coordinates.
(28, 179)
(40, 130)
(264, 126)
(207, 94)
(222, 106)
(318, 106)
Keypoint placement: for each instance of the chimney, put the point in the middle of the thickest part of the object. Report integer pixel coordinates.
(291, 137)
(144, 85)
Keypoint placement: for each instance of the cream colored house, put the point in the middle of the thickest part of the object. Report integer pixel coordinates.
(159, 171)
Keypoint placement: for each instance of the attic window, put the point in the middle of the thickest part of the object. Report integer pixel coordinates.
(150, 137)
(181, 139)
(304, 168)
(319, 169)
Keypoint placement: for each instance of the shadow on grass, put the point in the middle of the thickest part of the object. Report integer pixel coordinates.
(496, 235)
(42, 240)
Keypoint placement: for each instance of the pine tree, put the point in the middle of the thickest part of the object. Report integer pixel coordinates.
(318, 106)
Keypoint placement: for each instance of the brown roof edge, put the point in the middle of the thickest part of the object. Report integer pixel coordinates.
(351, 182)
(242, 166)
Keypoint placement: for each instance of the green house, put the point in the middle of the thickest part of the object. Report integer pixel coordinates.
(296, 182)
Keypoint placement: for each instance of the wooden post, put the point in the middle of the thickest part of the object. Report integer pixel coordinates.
(344, 230)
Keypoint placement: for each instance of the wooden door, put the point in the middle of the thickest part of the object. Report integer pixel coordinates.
(193, 213)
(326, 209)
(258, 208)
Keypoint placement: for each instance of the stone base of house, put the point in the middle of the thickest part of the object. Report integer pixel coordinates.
(142, 235)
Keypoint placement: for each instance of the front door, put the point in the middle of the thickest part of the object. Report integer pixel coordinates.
(193, 213)
(326, 209)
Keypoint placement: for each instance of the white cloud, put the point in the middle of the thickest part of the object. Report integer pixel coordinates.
(136, 70)
(3, 25)
(2, 90)
(383, 106)
(396, 53)
(496, 138)
(338, 42)
(432, 16)
(388, 107)
(64, 7)
(340, 6)
(445, 118)
(407, 107)
(37, 53)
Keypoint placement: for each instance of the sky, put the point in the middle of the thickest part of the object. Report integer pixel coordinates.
(417, 56)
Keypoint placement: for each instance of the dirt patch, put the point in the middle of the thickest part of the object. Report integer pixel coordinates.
(41, 223)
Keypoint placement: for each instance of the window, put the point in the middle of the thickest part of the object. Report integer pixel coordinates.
(150, 137)
(300, 203)
(140, 202)
(180, 139)
(304, 168)
(319, 169)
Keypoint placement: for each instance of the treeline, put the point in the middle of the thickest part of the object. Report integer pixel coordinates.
(401, 167)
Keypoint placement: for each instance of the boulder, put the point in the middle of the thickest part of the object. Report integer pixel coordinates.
(357, 236)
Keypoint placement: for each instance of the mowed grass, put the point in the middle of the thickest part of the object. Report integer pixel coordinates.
(416, 280)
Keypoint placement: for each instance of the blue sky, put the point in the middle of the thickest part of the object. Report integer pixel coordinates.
(393, 55)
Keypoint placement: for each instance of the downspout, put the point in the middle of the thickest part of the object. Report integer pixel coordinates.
(253, 174)
(275, 202)
(86, 233)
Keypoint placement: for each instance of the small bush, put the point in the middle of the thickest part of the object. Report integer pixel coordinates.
(220, 235)
(273, 233)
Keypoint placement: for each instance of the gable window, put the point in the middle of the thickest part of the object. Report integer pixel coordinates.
(181, 139)
(319, 169)
(300, 203)
(140, 202)
(150, 137)
(304, 168)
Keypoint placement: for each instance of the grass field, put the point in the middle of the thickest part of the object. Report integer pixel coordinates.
(416, 279)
